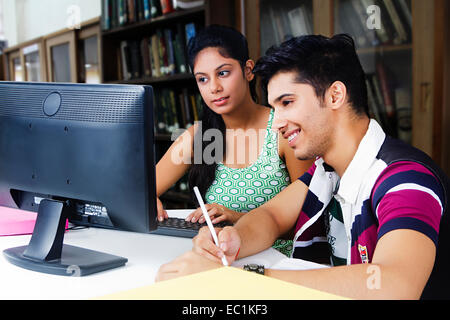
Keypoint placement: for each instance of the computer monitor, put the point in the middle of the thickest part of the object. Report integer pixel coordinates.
(63, 146)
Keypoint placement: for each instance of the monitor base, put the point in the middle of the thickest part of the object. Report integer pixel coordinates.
(74, 261)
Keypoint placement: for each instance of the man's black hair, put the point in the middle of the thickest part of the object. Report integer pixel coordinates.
(319, 61)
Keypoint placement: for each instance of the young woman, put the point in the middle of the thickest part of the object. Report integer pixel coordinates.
(254, 163)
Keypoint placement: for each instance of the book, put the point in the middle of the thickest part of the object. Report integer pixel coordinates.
(106, 14)
(156, 67)
(162, 50)
(135, 59)
(166, 6)
(174, 110)
(131, 11)
(188, 4)
(171, 68)
(385, 89)
(276, 25)
(162, 124)
(405, 15)
(126, 60)
(180, 61)
(378, 98)
(190, 31)
(194, 107)
(374, 110)
(387, 24)
(400, 31)
(299, 22)
(199, 104)
(139, 9)
(122, 12)
(119, 62)
(145, 53)
(351, 23)
(114, 13)
(147, 9)
(368, 35)
(405, 12)
(184, 119)
(155, 8)
(187, 108)
(404, 114)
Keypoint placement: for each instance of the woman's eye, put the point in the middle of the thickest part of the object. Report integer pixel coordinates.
(286, 102)
(223, 73)
(201, 79)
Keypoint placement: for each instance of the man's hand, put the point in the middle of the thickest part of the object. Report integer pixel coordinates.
(229, 244)
(188, 263)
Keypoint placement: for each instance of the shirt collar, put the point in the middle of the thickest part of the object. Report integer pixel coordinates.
(364, 157)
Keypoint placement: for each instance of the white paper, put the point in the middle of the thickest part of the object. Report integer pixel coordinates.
(274, 259)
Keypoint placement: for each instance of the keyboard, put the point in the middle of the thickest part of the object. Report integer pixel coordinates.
(97, 216)
(177, 227)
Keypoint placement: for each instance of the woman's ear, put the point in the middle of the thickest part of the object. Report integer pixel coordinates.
(248, 70)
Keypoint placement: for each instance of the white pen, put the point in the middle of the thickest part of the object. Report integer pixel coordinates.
(208, 221)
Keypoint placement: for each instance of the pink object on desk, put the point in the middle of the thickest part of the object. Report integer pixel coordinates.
(15, 222)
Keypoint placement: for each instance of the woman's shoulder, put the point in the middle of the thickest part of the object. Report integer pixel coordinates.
(265, 116)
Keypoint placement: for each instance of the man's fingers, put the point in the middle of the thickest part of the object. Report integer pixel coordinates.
(204, 245)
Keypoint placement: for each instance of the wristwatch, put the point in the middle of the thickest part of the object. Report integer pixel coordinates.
(258, 268)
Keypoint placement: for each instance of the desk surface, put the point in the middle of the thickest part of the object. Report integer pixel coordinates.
(145, 254)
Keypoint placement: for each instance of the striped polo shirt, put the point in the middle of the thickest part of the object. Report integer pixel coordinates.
(385, 187)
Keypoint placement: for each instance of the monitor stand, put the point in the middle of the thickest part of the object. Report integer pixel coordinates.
(46, 252)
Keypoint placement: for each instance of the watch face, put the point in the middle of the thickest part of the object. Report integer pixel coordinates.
(255, 268)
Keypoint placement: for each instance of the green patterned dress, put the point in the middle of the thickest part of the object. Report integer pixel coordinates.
(245, 189)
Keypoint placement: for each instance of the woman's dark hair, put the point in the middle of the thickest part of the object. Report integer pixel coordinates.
(231, 44)
(319, 61)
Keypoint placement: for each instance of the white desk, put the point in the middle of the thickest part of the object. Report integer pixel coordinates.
(145, 254)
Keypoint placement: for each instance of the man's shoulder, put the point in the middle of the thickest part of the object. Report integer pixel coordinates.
(407, 166)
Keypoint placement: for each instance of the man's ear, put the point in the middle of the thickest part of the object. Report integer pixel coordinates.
(336, 95)
(248, 70)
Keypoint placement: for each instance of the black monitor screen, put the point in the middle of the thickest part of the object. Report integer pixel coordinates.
(64, 146)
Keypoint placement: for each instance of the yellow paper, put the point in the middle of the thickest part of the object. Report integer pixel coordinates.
(225, 283)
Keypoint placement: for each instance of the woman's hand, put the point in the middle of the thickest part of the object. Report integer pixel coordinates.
(162, 214)
(216, 212)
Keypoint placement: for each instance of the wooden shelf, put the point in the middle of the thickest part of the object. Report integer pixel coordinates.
(140, 27)
(385, 48)
(153, 80)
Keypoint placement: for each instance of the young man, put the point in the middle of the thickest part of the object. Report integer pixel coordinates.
(370, 206)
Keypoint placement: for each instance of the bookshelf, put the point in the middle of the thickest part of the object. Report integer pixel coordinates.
(143, 45)
(400, 44)
(25, 62)
(59, 56)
